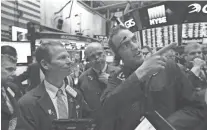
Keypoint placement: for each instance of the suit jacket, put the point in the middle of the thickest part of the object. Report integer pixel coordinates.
(6, 116)
(163, 92)
(38, 110)
(33, 74)
(92, 88)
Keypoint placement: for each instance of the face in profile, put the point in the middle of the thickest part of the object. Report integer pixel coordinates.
(8, 69)
(128, 49)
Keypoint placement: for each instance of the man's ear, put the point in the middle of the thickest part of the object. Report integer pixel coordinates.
(44, 64)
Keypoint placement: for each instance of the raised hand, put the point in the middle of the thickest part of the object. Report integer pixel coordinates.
(103, 77)
(153, 64)
(197, 62)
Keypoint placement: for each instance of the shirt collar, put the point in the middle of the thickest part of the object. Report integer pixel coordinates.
(54, 89)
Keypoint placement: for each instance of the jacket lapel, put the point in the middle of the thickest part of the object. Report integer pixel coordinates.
(4, 107)
(45, 102)
(13, 102)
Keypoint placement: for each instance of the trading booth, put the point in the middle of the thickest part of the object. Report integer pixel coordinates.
(170, 21)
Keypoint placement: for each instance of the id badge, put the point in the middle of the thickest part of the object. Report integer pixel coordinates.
(145, 124)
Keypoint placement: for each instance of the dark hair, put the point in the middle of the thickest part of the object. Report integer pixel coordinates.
(148, 48)
(9, 50)
(114, 31)
(43, 51)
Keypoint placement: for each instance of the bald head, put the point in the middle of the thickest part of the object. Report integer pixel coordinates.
(92, 47)
(95, 55)
(192, 51)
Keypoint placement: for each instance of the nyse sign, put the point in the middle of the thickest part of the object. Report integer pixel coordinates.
(129, 23)
(157, 15)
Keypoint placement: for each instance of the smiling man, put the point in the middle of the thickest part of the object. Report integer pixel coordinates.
(93, 81)
(53, 98)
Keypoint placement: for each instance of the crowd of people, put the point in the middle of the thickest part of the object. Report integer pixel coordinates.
(115, 96)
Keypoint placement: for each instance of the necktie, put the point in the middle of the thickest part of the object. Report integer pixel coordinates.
(62, 108)
(7, 101)
(13, 121)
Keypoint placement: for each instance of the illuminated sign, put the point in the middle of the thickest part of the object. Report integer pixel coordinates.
(197, 8)
(160, 36)
(129, 23)
(18, 34)
(157, 15)
(193, 32)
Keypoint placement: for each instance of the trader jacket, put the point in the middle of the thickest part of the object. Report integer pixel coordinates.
(38, 110)
(165, 92)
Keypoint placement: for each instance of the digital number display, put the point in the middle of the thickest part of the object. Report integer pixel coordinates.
(160, 36)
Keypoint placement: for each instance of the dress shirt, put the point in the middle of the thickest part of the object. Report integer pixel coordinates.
(52, 92)
(42, 76)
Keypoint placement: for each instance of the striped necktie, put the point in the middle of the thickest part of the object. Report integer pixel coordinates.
(7, 101)
(62, 108)
(13, 121)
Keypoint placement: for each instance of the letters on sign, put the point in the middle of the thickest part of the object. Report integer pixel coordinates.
(197, 8)
(157, 15)
(129, 23)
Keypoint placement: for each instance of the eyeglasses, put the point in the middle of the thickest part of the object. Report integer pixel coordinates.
(145, 53)
(126, 39)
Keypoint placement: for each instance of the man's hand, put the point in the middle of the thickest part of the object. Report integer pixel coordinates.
(103, 77)
(153, 64)
(197, 62)
(197, 65)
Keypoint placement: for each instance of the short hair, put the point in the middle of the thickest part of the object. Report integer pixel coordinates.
(115, 31)
(148, 48)
(190, 46)
(89, 46)
(43, 51)
(10, 52)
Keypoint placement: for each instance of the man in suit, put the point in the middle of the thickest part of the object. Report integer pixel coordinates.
(53, 98)
(142, 86)
(9, 108)
(194, 70)
(93, 81)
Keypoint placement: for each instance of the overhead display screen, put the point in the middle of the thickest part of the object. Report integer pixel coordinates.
(194, 32)
(173, 12)
(160, 36)
(23, 50)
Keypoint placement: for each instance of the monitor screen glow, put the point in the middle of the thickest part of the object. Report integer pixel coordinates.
(23, 50)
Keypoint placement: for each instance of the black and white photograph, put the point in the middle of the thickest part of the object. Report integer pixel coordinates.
(103, 65)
